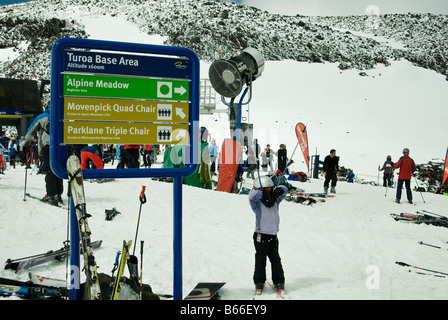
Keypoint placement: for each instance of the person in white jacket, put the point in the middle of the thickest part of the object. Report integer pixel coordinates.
(53, 184)
(264, 200)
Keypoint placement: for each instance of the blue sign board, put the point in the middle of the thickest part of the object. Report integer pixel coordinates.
(163, 67)
(93, 67)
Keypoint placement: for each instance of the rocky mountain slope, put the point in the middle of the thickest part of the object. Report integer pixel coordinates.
(208, 26)
(424, 36)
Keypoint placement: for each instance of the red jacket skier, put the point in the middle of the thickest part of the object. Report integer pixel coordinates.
(406, 165)
(407, 168)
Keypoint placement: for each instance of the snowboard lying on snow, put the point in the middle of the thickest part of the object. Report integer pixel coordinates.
(205, 291)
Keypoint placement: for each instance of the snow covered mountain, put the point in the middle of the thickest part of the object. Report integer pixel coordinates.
(208, 26)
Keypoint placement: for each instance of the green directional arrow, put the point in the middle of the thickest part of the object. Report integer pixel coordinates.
(125, 87)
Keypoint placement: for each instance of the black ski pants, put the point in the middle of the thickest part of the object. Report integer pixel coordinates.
(267, 247)
(53, 184)
(132, 156)
(330, 176)
(407, 184)
(387, 180)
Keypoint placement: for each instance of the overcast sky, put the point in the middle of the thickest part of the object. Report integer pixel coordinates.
(347, 7)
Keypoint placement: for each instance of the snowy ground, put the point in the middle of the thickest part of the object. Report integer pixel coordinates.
(345, 248)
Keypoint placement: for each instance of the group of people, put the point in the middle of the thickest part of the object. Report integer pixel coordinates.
(407, 168)
(265, 197)
(265, 159)
(405, 163)
(127, 155)
(17, 150)
(34, 148)
(255, 158)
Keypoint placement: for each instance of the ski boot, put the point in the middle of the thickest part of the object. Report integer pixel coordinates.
(58, 198)
(280, 288)
(50, 199)
(259, 288)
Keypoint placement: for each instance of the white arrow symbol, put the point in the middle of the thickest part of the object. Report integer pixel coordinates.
(180, 90)
(180, 113)
(181, 134)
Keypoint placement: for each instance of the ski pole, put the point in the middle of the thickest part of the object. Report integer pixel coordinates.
(431, 245)
(378, 178)
(141, 261)
(112, 279)
(142, 198)
(403, 264)
(436, 214)
(141, 268)
(24, 191)
(418, 188)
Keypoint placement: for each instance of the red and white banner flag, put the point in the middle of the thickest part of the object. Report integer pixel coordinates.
(303, 142)
(445, 171)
